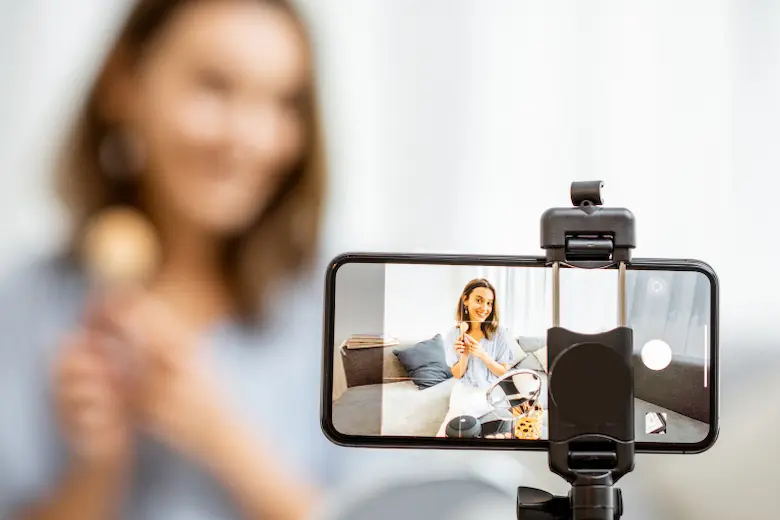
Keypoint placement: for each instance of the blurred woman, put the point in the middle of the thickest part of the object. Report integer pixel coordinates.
(203, 119)
(477, 350)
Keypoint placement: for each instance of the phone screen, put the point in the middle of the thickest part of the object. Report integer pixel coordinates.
(418, 348)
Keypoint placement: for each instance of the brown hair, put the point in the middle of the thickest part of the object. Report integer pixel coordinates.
(490, 325)
(281, 240)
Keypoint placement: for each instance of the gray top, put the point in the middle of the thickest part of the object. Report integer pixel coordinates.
(477, 373)
(272, 375)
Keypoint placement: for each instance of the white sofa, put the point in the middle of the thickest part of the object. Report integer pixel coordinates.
(406, 409)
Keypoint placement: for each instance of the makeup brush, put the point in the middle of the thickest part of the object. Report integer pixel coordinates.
(464, 327)
(120, 248)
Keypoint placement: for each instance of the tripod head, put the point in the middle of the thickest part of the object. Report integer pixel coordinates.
(590, 447)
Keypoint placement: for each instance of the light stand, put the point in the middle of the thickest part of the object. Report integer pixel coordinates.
(591, 447)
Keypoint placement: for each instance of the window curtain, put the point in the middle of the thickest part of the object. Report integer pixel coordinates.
(673, 306)
(523, 297)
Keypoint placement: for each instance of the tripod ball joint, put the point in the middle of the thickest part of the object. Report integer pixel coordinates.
(537, 504)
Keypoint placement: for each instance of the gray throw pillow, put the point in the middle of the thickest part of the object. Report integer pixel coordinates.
(425, 362)
(531, 344)
(530, 362)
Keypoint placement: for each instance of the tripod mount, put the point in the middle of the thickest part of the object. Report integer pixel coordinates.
(591, 447)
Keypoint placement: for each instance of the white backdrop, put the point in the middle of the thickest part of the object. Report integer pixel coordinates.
(454, 123)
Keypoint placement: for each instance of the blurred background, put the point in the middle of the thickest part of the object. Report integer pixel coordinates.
(448, 120)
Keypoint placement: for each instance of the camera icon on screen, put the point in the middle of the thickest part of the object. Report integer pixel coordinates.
(656, 286)
(655, 423)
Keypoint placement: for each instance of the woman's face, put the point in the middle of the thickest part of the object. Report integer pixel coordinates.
(216, 110)
(480, 304)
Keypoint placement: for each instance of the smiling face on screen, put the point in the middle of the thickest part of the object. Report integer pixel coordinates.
(478, 307)
(479, 304)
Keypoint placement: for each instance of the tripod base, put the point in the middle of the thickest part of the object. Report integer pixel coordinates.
(583, 503)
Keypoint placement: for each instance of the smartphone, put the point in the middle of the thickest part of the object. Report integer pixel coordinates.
(413, 342)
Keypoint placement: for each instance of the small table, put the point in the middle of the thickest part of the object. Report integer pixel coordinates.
(531, 426)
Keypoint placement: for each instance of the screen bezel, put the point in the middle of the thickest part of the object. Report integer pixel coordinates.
(650, 264)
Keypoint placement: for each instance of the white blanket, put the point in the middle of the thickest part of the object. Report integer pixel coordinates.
(465, 399)
(409, 411)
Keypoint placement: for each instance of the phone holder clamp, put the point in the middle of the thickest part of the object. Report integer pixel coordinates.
(588, 232)
(591, 440)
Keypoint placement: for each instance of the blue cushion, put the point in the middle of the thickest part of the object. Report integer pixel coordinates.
(531, 344)
(425, 362)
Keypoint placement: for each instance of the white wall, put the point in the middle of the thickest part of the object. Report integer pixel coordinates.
(359, 300)
(52, 50)
(420, 300)
(359, 309)
(453, 124)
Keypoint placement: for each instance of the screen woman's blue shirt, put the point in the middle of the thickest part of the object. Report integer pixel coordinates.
(477, 373)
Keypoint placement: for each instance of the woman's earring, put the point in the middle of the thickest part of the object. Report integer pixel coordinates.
(121, 155)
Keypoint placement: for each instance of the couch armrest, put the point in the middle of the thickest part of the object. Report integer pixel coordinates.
(372, 366)
(679, 387)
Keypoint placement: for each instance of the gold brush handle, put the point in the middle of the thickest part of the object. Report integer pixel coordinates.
(120, 247)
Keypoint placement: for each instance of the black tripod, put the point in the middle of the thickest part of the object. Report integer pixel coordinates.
(591, 447)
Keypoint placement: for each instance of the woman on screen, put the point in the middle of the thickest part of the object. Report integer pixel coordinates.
(202, 119)
(477, 350)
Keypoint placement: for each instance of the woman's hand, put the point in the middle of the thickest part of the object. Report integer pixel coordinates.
(173, 397)
(96, 423)
(476, 350)
(475, 347)
(89, 404)
(460, 348)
